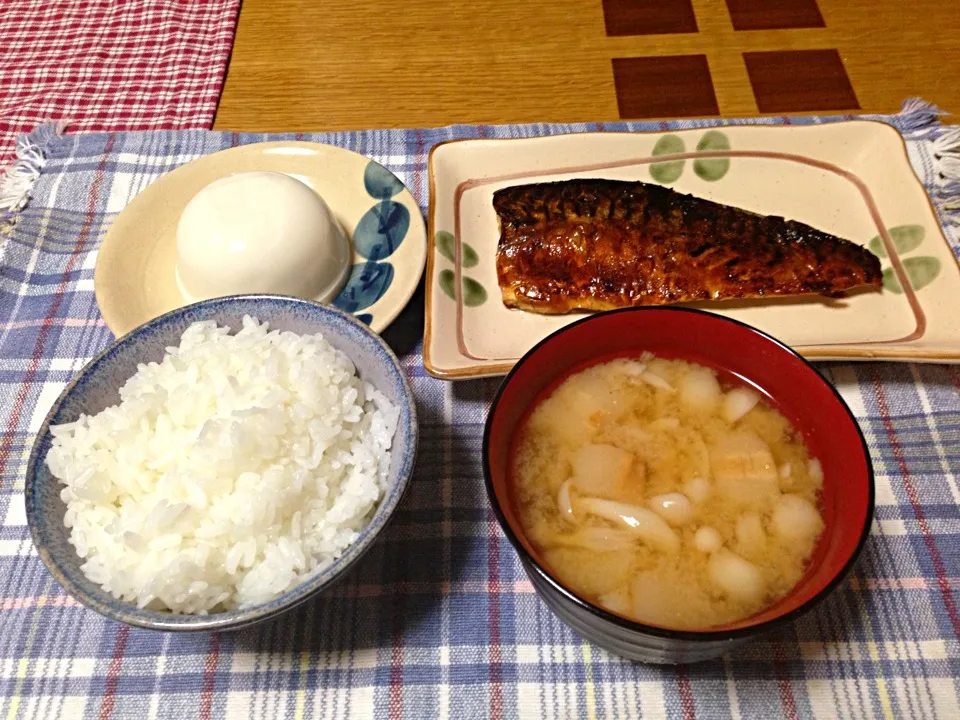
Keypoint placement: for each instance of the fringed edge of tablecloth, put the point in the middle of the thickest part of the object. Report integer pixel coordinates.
(18, 180)
(917, 114)
(946, 154)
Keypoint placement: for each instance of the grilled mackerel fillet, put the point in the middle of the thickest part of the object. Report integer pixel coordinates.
(605, 244)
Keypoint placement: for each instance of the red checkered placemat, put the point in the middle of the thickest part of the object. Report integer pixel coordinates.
(111, 64)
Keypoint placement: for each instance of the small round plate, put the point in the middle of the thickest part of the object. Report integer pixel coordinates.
(135, 278)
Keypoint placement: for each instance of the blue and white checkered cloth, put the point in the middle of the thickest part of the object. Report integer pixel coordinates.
(438, 620)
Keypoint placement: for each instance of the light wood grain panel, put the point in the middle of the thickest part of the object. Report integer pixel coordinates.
(303, 65)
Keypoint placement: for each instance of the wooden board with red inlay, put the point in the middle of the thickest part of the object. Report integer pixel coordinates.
(551, 60)
(783, 81)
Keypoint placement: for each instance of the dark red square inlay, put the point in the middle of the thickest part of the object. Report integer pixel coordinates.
(774, 14)
(643, 17)
(662, 87)
(800, 81)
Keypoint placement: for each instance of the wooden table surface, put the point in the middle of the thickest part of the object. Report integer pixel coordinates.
(343, 64)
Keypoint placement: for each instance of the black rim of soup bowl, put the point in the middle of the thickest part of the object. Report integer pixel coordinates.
(106, 605)
(692, 636)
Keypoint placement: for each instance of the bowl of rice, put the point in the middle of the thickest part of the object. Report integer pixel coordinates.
(221, 463)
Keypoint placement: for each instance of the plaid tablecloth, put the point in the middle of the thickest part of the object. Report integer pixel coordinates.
(108, 65)
(438, 619)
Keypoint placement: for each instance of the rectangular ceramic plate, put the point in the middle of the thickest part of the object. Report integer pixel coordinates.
(852, 179)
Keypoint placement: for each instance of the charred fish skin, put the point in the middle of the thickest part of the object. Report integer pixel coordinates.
(605, 244)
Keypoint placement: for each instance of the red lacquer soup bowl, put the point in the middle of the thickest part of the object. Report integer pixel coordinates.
(792, 385)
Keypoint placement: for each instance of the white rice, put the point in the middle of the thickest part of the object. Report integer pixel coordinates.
(229, 472)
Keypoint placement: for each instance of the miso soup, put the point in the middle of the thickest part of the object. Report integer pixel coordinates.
(666, 494)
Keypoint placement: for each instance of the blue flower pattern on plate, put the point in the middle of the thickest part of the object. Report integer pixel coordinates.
(367, 283)
(381, 230)
(380, 182)
(379, 233)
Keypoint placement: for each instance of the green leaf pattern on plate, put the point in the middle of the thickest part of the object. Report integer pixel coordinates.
(474, 293)
(712, 169)
(905, 238)
(447, 246)
(445, 280)
(709, 169)
(668, 172)
(920, 270)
